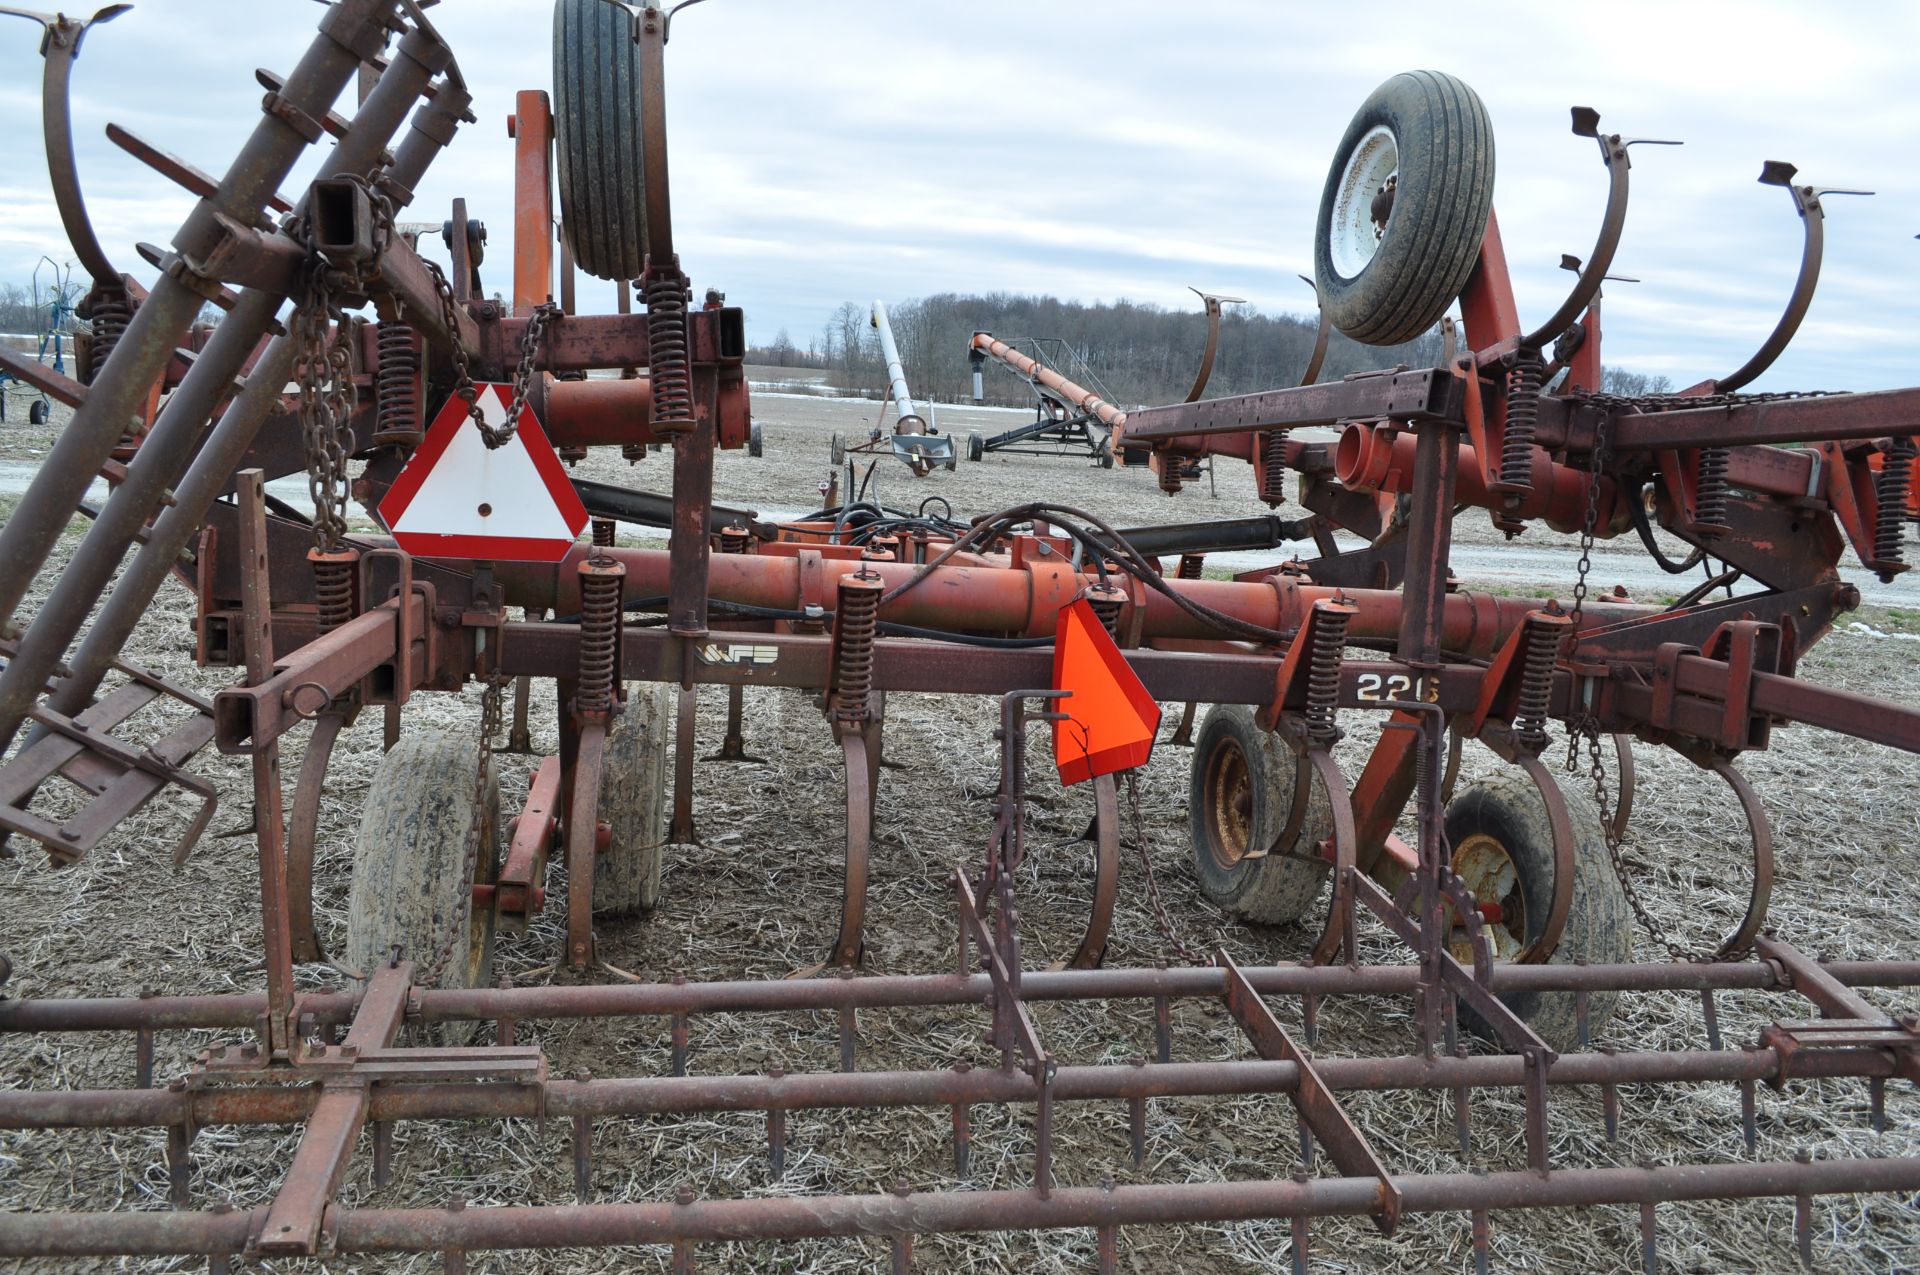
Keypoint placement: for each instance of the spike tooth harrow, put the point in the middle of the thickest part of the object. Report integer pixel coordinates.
(844, 610)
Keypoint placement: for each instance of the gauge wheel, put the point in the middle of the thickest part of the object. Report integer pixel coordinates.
(976, 446)
(410, 885)
(1240, 795)
(1405, 208)
(1502, 849)
(597, 147)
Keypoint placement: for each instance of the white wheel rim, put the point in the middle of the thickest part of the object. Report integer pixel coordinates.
(1353, 238)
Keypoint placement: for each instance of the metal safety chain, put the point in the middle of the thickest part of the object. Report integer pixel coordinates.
(1583, 726)
(1168, 931)
(323, 369)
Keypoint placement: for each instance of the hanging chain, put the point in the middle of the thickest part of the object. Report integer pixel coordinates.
(323, 368)
(531, 342)
(1168, 931)
(1583, 728)
(490, 716)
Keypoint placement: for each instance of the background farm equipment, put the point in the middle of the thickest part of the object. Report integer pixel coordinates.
(915, 441)
(1509, 907)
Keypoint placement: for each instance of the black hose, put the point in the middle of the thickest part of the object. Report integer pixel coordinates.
(1645, 528)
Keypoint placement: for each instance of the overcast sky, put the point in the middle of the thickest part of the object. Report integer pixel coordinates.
(1098, 149)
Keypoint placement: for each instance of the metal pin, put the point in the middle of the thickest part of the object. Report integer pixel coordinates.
(1106, 1243)
(1310, 1018)
(1043, 1140)
(583, 1148)
(179, 1164)
(1877, 1102)
(1536, 1074)
(1649, 1248)
(962, 1129)
(382, 1153)
(1306, 1146)
(777, 1130)
(1482, 1237)
(1462, 1111)
(677, 1026)
(1299, 1228)
(1610, 1102)
(454, 1260)
(143, 1059)
(1450, 1022)
(682, 1246)
(847, 1028)
(503, 1028)
(1162, 1027)
(1713, 1018)
(1803, 1215)
(902, 1244)
(1749, 1114)
(217, 1263)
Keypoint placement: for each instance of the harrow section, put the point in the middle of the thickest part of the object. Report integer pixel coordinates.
(1507, 899)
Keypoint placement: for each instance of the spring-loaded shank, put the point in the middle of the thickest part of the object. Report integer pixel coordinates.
(1536, 685)
(1890, 513)
(601, 582)
(1523, 421)
(666, 298)
(1710, 506)
(1273, 468)
(1323, 678)
(854, 627)
(397, 387)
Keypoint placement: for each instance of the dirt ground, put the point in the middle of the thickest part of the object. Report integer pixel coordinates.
(758, 897)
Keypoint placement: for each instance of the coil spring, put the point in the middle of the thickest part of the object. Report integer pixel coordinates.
(333, 586)
(882, 548)
(1273, 469)
(667, 353)
(112, 311)
(1192, 566)
(854, 628)
(1106, 602)
(734, 539)
(600, 588)
(603, 532)
(633, 453)
(1323, 676)
(1710, 516)
(396, 387)
(1170, 474)
(1895, 478)
(1536, 683)
(1523, 419)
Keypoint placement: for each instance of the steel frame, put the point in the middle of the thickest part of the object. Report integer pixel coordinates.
(1707, 679)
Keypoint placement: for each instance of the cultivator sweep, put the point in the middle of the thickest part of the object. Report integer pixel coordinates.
(1510, 899)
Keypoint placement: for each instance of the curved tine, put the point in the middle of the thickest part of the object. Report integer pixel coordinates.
(1541, 949)
(303, 826)
(1740, 942)
(1106, 875)
(1339, 927)
(1806, 201)
(1320, 339)
(1213, 304)
(60, 46)
(1613, 153)
(1456, 740)
(1623, 805)
(1296, 813)
(853, 907)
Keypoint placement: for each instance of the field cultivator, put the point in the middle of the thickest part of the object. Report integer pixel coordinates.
(1508, 898)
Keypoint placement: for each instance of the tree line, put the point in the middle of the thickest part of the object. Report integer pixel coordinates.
(1141, 353)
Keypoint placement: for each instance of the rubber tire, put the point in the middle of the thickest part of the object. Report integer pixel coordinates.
(976, 446)
(1278, 888)
(1439, 217)
(1106, 459)
(409, 860)
(636, 790)
(837, 450)
(1599, 925)
(756, 442)
(37, 412)
(598, 164)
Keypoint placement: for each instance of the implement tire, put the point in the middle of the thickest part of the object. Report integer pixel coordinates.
(597, 138)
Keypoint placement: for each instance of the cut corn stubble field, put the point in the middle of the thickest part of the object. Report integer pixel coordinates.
(757, 896)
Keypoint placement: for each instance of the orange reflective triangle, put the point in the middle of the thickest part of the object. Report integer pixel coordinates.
(1111, 719)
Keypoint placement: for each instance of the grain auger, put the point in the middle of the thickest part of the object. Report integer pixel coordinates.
(1510, 905)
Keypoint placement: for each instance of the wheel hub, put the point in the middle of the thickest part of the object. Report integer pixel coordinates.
(1484, 867)
(1363, 205)
(1229, 804)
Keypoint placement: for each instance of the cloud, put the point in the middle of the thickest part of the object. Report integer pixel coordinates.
(848, 149)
